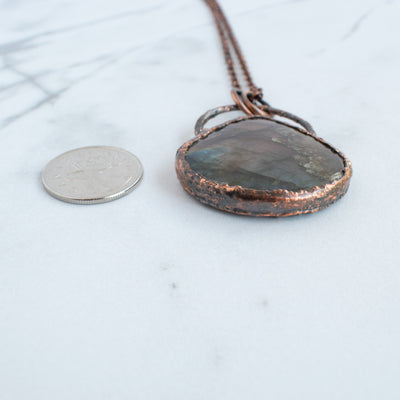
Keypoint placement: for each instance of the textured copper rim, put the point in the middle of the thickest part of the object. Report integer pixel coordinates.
(262, 203)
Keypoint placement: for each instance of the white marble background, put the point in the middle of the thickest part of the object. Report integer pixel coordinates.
(155, 296)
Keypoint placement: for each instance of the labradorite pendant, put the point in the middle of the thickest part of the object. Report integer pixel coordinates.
(259, 166)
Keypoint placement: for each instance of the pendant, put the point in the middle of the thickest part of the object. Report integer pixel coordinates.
(258, 165)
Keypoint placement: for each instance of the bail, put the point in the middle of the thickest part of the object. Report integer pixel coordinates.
(246, 101)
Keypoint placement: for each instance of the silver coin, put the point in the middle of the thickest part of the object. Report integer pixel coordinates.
(91, 175)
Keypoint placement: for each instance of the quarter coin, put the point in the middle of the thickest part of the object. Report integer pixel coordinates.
(91, 175)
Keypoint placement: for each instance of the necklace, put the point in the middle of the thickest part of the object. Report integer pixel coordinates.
(266, 163)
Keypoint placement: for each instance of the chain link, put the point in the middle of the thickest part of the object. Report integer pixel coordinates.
(232, 49)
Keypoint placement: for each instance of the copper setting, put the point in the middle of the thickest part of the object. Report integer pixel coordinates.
(258, 203)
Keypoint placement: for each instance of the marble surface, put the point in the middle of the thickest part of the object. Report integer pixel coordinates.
(155, 296)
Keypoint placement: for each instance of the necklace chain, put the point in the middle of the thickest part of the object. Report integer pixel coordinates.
(233, 52)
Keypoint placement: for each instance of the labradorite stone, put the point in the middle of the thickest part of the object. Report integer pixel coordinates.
(264, 155)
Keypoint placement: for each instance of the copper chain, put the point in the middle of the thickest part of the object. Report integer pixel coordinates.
(232, 49)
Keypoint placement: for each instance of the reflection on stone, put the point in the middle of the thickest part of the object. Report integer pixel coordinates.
(264, 155)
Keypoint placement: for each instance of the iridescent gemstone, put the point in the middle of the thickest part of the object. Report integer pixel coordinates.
(265, 155)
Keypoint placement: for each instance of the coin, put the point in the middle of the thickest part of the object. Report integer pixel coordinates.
(91, 175)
